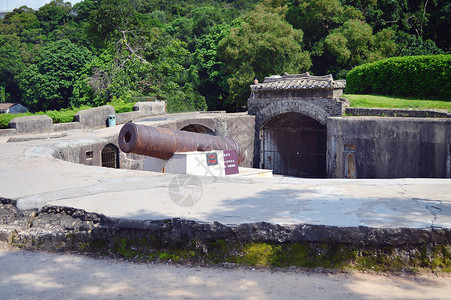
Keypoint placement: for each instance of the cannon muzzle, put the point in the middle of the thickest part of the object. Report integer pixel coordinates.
(163, 142)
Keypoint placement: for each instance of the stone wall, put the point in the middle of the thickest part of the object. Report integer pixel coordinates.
(239, 126)
(32, 124)
(378, 147)
(92, 118)
(384, 112)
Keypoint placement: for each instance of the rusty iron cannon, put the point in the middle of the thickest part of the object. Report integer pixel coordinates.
(163, 142)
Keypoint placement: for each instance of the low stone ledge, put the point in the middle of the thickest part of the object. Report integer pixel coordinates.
(382, 112)
(67, 229)
(122, 118)
(94, 117)
(176, 231)
(32, 124)
(66, 126)
(7, 132)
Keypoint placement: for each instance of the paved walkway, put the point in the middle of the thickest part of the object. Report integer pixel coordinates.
(29, 174)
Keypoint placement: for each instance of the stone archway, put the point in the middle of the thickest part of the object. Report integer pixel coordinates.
(198, 128)
(280, 107)
(291, 113)
(294, 144)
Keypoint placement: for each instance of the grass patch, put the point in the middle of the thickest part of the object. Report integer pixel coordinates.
(372, 101)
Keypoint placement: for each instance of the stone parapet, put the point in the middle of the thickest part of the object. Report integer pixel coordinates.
(32, 124)
(122, 118)
(384, 112)
(94, 117)
(66, 126)
(150, 108)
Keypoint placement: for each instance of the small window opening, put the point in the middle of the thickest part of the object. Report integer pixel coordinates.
(89, 154)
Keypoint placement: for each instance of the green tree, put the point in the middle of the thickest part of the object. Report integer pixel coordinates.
(11, 65)
(263, 44)
(53, 15)
(48, 84)
(212, 78)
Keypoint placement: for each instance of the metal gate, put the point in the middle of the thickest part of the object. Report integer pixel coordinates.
(110, 157)
(297, 152)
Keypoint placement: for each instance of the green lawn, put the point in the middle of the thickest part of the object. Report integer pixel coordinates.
(370, 101)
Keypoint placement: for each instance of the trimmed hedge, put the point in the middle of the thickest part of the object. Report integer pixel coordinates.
(411, 76)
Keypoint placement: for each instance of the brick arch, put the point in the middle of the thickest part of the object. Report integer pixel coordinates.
(286, 106)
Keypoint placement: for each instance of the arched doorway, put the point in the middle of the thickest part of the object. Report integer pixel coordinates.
(198, 128)
(294, 144)
(110, 156)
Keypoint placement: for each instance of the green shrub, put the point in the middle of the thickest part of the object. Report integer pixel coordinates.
(120, 105)
(58, 116)
(5, 118)
(411, 76)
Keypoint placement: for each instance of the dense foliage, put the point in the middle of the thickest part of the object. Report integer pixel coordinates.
(424, 76)
(200, 54)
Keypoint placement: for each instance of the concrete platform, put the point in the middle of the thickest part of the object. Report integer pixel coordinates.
(30, 175)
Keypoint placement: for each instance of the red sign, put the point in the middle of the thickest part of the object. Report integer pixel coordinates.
(212, 159)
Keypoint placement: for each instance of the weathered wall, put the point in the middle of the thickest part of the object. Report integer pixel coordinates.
(150, 108)
(387, 112)
(317, 108)
(32, 124)
(388, 147)
(239, 126)
(94, 117)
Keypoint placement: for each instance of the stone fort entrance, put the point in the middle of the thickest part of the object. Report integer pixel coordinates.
(291, 115)
(294, 144)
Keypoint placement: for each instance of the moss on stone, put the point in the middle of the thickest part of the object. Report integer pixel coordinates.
(258, 254)
(436, 257)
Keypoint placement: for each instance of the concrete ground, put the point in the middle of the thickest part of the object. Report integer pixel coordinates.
(30, 175)
(34, 275)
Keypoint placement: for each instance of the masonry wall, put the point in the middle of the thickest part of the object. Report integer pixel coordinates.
(238, 126)
(380, 147)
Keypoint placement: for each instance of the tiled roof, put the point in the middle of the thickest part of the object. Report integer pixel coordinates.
(5, 106)
(299, 81)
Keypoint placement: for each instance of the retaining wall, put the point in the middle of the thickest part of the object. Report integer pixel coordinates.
(379, 147)
(384, 112)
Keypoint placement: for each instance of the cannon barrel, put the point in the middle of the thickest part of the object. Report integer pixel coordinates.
(163, 142)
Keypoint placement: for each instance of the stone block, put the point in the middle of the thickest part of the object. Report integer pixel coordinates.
(94, 117)
(150, 108)
(210, 163)
(32, 124)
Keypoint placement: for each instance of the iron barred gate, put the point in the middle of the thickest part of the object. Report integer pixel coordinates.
(294, 151)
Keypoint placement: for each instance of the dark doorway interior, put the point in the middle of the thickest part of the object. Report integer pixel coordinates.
(294, 144)
(110, 156)
(198, 128)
